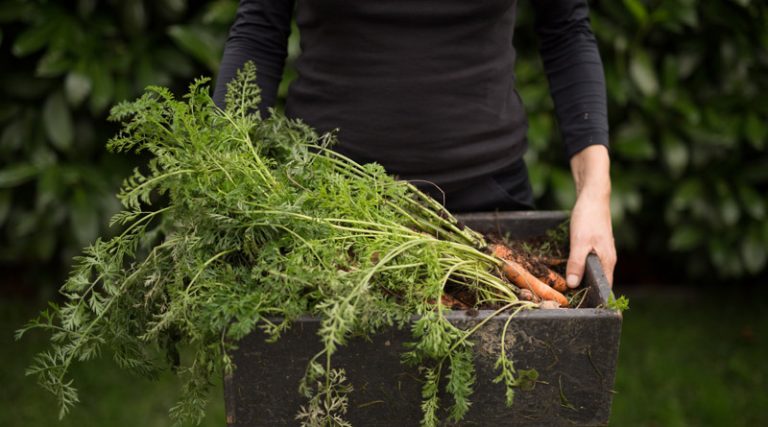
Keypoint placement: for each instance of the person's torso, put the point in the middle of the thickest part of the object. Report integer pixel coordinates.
(424, 87)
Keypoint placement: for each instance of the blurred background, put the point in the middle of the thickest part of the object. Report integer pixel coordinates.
(687, 83)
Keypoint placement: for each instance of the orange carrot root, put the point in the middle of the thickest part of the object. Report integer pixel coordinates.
(555, 280)
(552, 262)
(524, 279)
(527, 295)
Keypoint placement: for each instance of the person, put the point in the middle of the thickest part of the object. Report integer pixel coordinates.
(427, 89)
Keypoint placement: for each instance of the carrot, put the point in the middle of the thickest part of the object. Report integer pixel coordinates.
(524, 279)
(553, 279)
(550, 261)
(527, 295)
(542, 271)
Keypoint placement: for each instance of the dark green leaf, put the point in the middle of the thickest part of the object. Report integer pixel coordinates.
(53, 63)
(632, 200)
(173, 8)
(13, 135)
(643, 74)
(754, 254)
(756, 131)
(684, 105)
(84, 218)
(688, 14)
(537, 172)
(103, 87)
(23, 225)
(685, 237)
(726, 259)
(563, 188)
(675, 153)
(198, 43)
(670, 78)
(632, 142)
(638, 10)
(58, 121)
(17, 174)
(687, 63)
(687, 193)
(540, 127)
(33, 39)
(616, 85)
(77, 86)
(43, 156)
(134, 15)
(220, 12)
(49, 188)
(729, 211)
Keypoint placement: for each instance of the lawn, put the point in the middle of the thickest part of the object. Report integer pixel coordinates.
(686, 360)
(693, 360)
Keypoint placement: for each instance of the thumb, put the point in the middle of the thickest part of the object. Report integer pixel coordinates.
(574, 270)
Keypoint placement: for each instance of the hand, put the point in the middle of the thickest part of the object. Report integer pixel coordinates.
(591, 229)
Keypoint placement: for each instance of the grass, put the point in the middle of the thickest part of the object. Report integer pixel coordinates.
(685, 360)
(108, 396)
(693, 360)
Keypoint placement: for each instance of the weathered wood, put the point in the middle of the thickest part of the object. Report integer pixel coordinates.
(574, 350)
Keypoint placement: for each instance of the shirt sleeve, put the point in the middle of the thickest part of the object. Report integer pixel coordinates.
(260, 33)
(574, 70)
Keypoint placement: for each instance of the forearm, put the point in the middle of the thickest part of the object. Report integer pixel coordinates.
(575, 72)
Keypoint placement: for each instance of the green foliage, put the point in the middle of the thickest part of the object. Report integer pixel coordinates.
(261, 220)
(511, 378)
(328, 405)
(619, 304)
(688, 129)
(64, 63)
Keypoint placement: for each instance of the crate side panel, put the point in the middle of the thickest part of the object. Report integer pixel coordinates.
(518, 225)
(575, 360)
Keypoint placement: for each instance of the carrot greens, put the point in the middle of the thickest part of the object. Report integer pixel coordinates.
(238, 220)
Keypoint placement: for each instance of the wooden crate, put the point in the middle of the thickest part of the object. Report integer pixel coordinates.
(575, 352)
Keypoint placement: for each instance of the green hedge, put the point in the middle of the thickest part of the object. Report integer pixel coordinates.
(685, 83)
(64, 65)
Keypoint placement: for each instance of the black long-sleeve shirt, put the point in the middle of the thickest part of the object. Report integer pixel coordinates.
(424, 87)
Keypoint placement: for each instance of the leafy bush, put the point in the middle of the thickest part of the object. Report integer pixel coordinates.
(685, 79)
(70, 62)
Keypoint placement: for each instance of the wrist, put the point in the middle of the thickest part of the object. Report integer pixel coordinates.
(591, 173)
(598, 191)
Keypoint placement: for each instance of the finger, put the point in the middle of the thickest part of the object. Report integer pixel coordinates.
(574, 270)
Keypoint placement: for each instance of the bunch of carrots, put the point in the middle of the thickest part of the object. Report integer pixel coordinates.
(548, 286)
